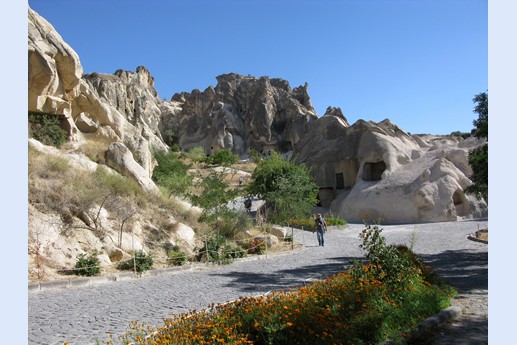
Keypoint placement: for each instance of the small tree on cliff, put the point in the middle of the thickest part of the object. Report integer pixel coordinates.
(478, 158)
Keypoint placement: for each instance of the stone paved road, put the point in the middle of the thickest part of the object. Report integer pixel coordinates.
(84, 315)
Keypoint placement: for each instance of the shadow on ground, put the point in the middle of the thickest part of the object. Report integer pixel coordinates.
(247, 282)
(464, 269)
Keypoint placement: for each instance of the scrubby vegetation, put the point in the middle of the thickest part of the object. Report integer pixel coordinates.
(140, 262)
(87, 265)
(46, 128)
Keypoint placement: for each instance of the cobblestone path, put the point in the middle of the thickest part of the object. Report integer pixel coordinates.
(84, 315)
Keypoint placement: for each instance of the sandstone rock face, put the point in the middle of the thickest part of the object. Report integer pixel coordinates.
(241, 113)
(370, 171)
(123, 107)
(121, 159)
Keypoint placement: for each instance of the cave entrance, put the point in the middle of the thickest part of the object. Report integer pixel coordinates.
(460, 203)
(372, 171)
(340, 181)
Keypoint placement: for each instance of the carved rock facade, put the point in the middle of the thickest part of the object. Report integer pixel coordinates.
(376, 171)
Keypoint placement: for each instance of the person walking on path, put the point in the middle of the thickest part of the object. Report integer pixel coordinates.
(320, 226)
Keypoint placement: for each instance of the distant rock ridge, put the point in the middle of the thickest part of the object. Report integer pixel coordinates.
(242, 112)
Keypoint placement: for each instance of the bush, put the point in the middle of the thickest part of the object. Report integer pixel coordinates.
(176, 257)
(223, 157)
(220, 250)
(256, 246)
(46, 128)
(87, 265)
(171, 173)
(140, 262)
(308, 223)
(232, 223)
(396, 266)
(196, 154)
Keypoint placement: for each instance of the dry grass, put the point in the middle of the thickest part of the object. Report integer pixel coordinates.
(95, 150)
(482, 234)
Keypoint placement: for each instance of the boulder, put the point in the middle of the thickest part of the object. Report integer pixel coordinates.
(269, 239)
(120, 158)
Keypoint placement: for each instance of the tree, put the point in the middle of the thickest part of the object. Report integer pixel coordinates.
(288, 189)
(213, 199)
(478, 158)
(171, 173)
(224, 157)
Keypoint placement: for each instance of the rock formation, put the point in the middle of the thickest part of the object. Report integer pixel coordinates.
(365, 171)
(370, 171)
(241, 113)
(119, 108)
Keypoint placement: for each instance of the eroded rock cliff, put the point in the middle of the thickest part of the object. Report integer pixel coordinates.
(376, 171)
(240, 113)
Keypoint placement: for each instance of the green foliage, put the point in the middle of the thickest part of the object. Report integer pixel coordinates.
(460, 134)
(288, 189)
(140, 262)
(87, 265)
(196, 154)
(214, 198)
(254, 155)
(169, 137)
(176, 257)
(478, 158)
(46, 128)
(218, 249)
(481, 108)
(232, 222)
(223, 157)
(388, 264)
(171, 173)
(308, 222)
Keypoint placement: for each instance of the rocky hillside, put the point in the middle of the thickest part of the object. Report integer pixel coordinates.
(113, 122)
(241, 113)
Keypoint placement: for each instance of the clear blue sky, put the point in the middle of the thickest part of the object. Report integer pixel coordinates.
(418, 63)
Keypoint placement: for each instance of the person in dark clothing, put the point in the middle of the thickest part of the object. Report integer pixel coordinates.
(320, 227)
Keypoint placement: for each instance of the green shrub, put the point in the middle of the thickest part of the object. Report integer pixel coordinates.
(389, 264)
(196, 154)
(176, 257)
(232, 223)
(220, 250)
(171, 173)
(308, 223)
(140, 262)
(46, 128)
(223, 157)
(87, 265)
(169, 137)
(335, 221)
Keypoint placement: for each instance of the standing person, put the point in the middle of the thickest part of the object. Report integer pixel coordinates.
(320, 226)
(247, 204)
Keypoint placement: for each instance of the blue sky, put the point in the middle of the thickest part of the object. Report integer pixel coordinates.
(418, 63)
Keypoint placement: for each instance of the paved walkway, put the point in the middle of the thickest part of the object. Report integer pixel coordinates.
(84, 315)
